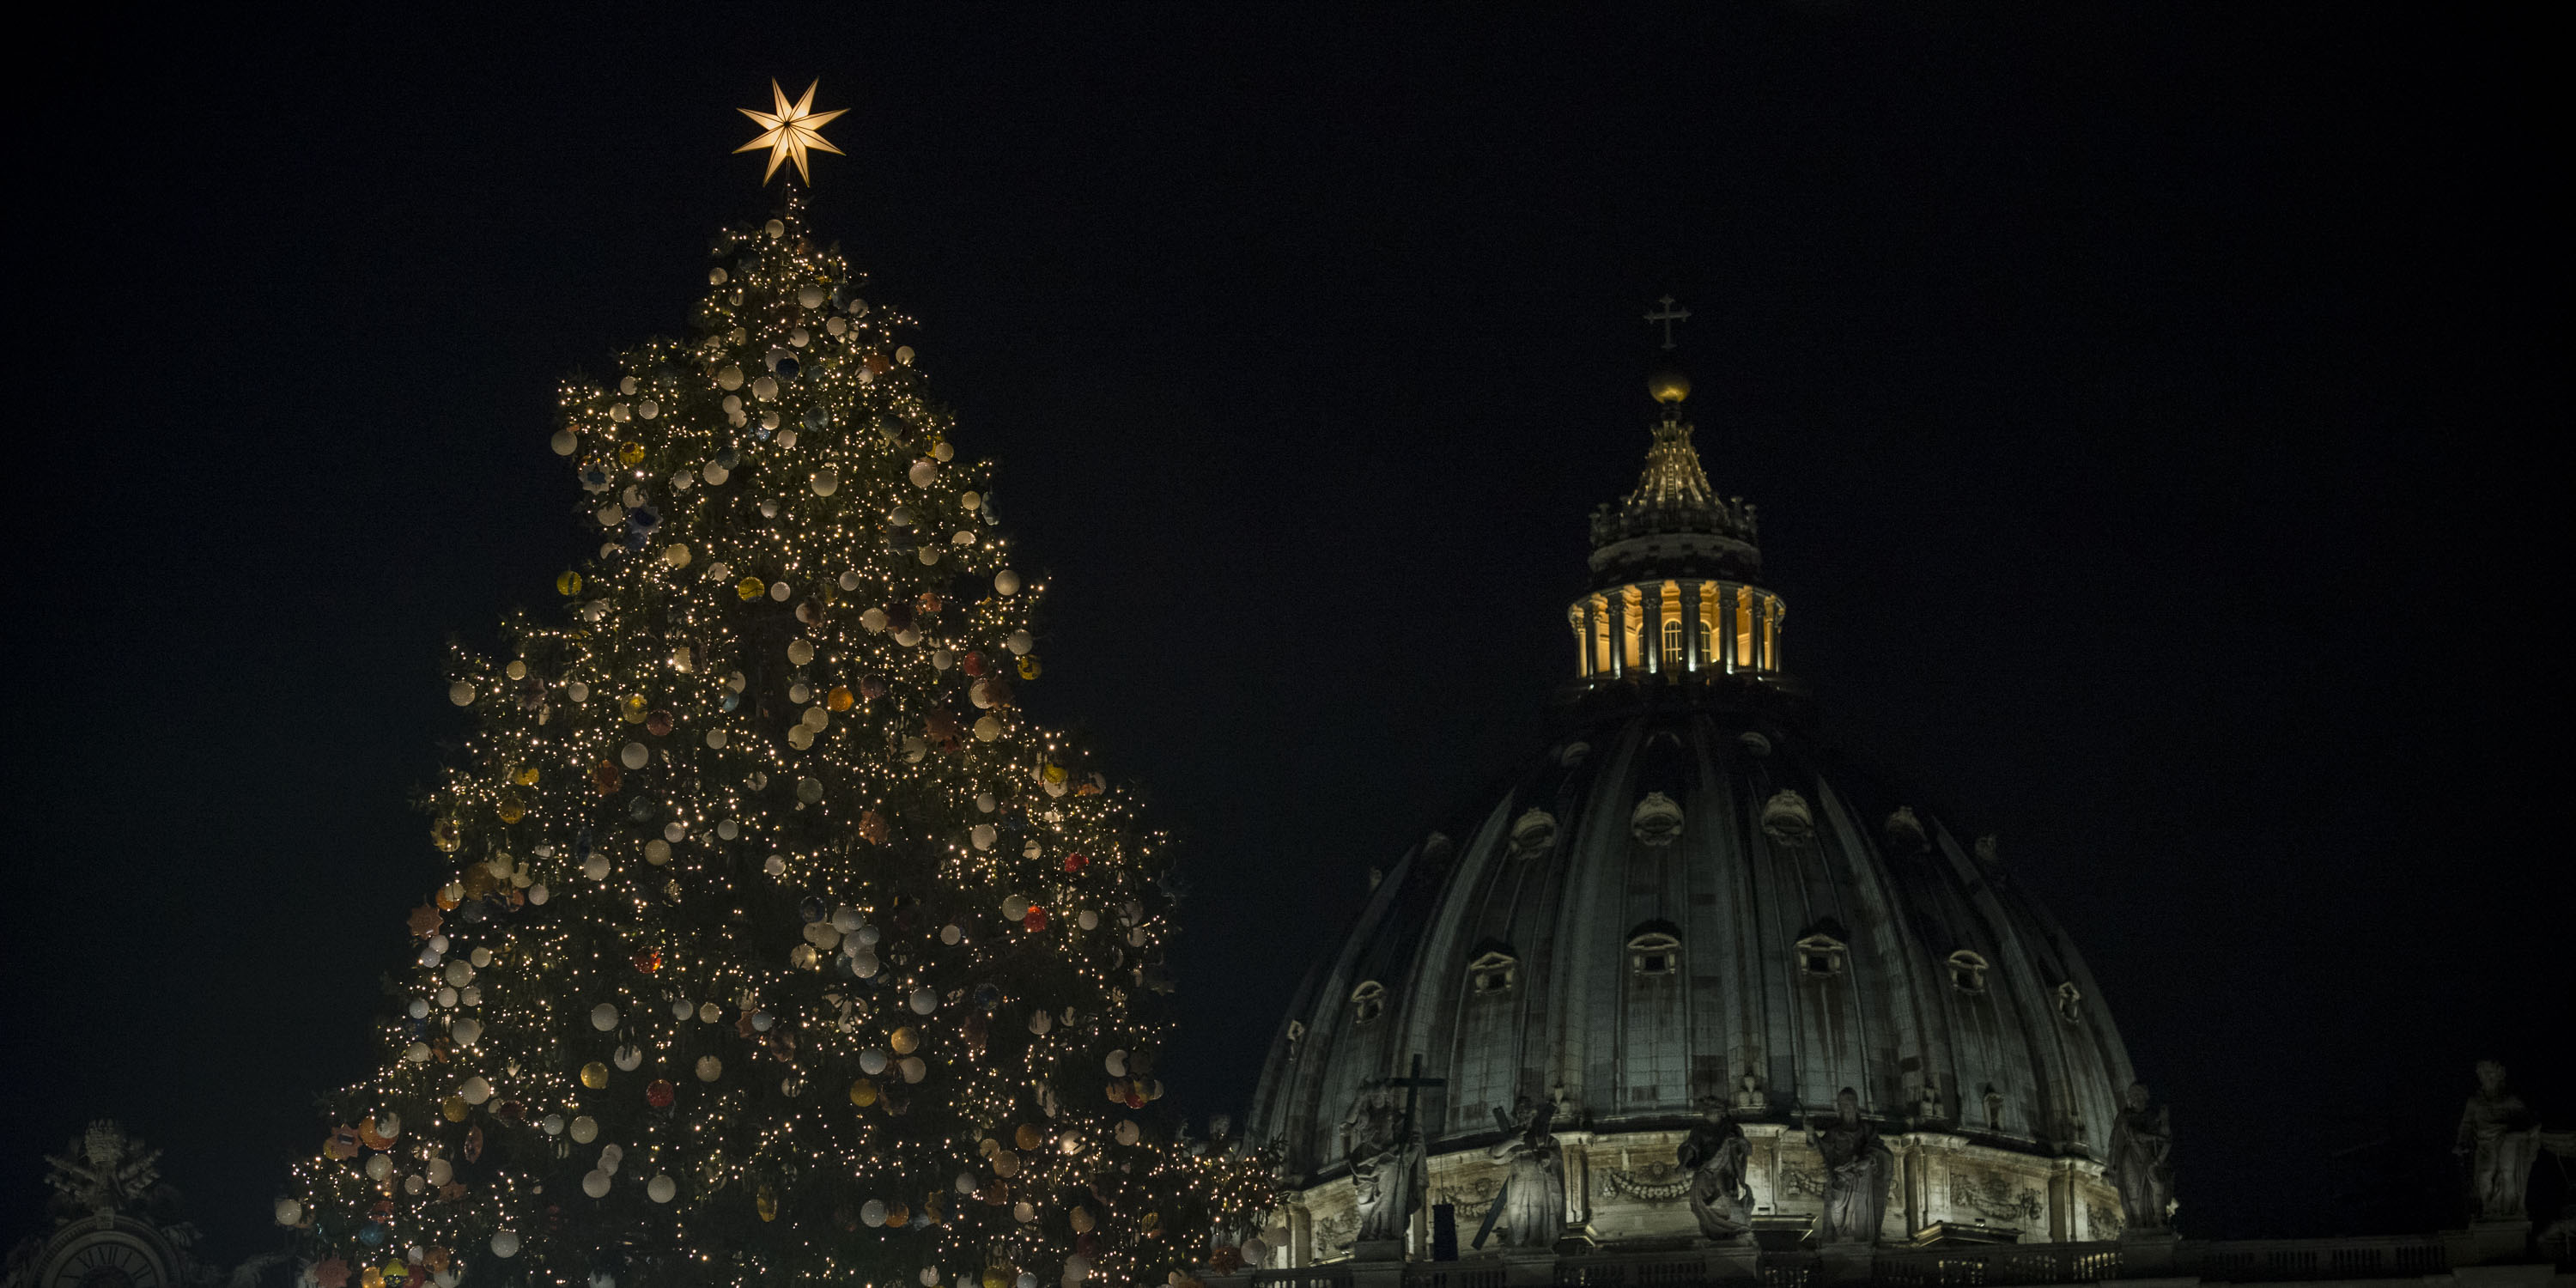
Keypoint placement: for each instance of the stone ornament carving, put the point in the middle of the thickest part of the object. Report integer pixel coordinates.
(2141, 1162)
(1533, 1196)
(1657, 820)
(1532, 833)
(1786, 817)
(2498, 1141)
(1715, 1154)
(1857, 1167)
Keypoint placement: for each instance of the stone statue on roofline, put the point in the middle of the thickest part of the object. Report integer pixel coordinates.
(1714, 1154)
(1857, 1168)
(2498, 1141)
(2141, 1162)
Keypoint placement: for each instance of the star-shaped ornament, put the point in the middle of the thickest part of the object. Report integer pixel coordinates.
(790, 131)
(425, 921)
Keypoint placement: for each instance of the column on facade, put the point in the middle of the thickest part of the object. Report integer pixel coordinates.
(1691, 660)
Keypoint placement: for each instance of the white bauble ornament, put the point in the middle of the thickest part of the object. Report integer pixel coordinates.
(1015, 908)
(873, 1212)
(1128, 1132)
(765, 388)
(775, 865)
(466, 1030)
(987, 729)
(812, 297)
(566, 442)
(596, 1183)
(1006, 583)
(475, 1091)
(379, 1167)
(825, 481)
(603, 1017)
(983, 834)
(418, 1009)
(634, 755)
(903, 354)
(577, 691)
(923, 473)
(460, 972)
(847, 919)
(709, 1068)
(505, 1244)
(585, 1129)
(1087, 919)
(1116, 1063)
(538, 894)
(657, 852)
(1041, 1022)
(552, 1123)
(461, 693)
(648, 409)
(730, 378)
(1019, 643)
(872, 1062)
(874, 620)
(417, 1053)
(924, 1001)
(661, 1189)
(289, 1211)
(913, 1069)
(681, 1009)
(628, 1057)
(677, 555)
(595, 867)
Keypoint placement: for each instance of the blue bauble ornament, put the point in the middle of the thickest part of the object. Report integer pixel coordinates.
(786, 369)
(643, 518)
(372, 1235)
(729, 458)
(987, 996)
(813, 910)
(817, 418)
(732, 700)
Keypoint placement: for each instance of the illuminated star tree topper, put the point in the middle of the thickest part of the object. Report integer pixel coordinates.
(791, 131)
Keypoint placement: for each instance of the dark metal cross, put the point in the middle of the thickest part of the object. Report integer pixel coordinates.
(1404, 1129)
(1668, 315)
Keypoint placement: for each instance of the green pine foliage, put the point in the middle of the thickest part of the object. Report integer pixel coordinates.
(782, 947)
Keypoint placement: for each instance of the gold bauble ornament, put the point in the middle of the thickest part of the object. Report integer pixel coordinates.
(455, 1108)
(863, 1093)
(751, 588)
(594, 1075)
(904, 1041)
(630, 454)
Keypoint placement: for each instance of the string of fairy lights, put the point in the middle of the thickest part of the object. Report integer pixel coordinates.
(781, 946)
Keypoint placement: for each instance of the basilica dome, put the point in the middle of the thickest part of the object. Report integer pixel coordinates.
(1686, 905)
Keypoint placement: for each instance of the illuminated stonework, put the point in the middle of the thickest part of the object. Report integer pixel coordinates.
(1689, 904)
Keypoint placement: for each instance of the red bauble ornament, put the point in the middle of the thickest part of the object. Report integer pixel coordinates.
(1036, 920)
(973, 662)
(648, 960)
(658, 724)
(1075, 863)
(659, 1094)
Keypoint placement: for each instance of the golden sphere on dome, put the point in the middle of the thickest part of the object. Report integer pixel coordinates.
(1668, 385)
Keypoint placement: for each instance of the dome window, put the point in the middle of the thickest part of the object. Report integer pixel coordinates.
(2070, 1002)
(1655, 952)
(1786, 818)
(1494, 972)
(1532, 833)
(1821, 954)
(1967, 972)
(1368, 1002)
(1657, 820)
(1672, 644)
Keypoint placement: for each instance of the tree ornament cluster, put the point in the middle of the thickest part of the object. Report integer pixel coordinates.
(760, 817)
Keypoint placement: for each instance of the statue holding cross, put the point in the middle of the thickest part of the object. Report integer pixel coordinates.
(1385, 1154)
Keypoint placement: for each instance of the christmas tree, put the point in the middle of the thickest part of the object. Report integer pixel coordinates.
(781, 946)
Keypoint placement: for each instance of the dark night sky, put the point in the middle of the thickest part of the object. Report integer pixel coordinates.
(2144, 407)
